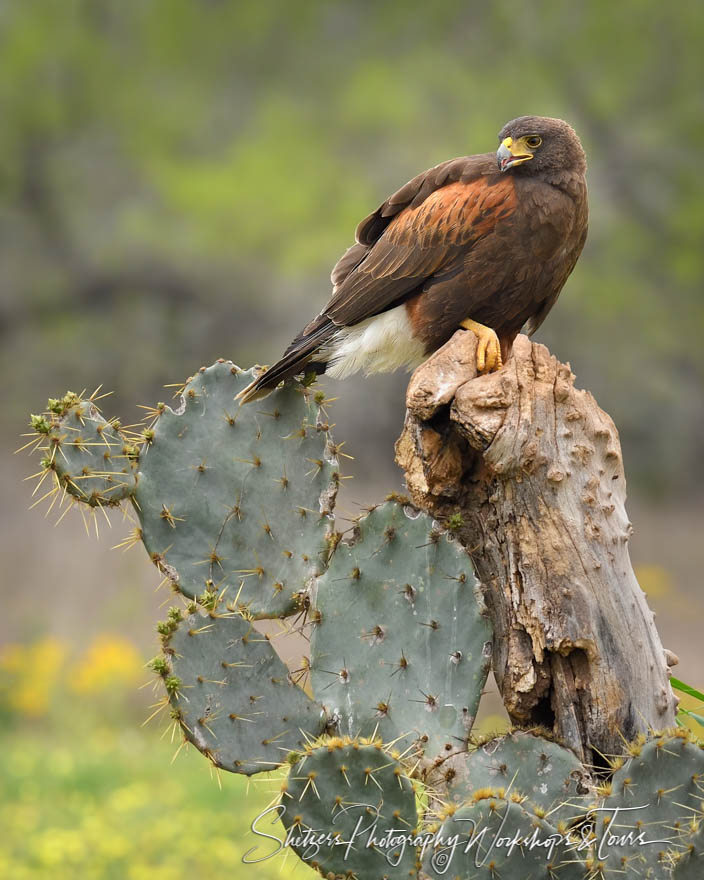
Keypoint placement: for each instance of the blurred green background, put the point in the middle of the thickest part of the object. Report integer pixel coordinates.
(177, 179)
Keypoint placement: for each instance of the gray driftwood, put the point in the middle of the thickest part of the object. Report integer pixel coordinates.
(528, 472)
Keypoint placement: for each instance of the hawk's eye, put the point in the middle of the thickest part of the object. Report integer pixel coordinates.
(534, 141)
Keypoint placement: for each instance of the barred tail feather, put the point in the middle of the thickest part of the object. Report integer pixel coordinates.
(294, 361)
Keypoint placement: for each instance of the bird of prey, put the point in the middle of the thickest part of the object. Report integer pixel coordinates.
(482, 242)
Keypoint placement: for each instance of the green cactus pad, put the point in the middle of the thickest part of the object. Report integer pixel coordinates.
(658, 789)
(549, 775)
(237, 501)
(359, 791)
(232, 695)
(689, 852)
(401, 643)
(486, 828)
(90, 456)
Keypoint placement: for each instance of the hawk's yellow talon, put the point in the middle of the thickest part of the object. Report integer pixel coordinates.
(488, 346)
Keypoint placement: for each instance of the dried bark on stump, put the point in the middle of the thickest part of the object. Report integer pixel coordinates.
(528, 472)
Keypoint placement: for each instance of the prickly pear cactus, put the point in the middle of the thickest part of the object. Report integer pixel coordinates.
(401, 643)
(644, 825)
(234, 503)
(688, 857)
(90, 458)
(234, 506)
(549, 775)
(524, 807)
(231, 694)
(237, 501)
(491, 837)
(506, 810)
(359, 792)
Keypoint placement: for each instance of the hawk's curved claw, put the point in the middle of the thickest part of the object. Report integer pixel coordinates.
(488, 346)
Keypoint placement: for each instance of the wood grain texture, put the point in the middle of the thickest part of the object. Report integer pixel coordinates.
(534, 467)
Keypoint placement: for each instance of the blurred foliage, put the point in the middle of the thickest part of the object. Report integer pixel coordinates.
(46, 680)
(655, 581)
(87, 789)
(110, 807)
(109, 662)
(178, 177)
(690, 712)
(28, 677)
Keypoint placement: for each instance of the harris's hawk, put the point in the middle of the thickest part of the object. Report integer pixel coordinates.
(482, 242)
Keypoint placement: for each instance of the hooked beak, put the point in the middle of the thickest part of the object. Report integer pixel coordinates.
(510, 154)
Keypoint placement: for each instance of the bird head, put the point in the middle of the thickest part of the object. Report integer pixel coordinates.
(533, 144)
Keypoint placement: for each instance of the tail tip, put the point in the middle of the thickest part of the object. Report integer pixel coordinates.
(253, 391)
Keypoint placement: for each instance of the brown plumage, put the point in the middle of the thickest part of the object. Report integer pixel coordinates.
(491, 238)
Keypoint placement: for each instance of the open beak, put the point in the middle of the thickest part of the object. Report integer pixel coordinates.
(510, 154)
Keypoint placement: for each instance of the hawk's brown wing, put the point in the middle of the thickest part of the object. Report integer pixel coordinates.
(411, 194)
(424, 229)
(417, 190)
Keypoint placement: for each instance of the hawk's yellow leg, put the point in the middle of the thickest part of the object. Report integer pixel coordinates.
(488, 347)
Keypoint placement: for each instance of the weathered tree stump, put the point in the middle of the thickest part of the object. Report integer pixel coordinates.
(527, 470)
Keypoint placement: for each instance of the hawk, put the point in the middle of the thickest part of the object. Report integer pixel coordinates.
(482, 242)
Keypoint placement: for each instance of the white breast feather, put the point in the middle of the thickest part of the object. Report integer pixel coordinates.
(378, 345)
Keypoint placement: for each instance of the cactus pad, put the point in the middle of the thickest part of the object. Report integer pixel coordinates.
(549, 775)
(234, 503)
(91, 458)
(494, 843)
(401, 644)
(232, 695)
(689, 853)
(658, 791)
(237, 501)
(357, 789)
